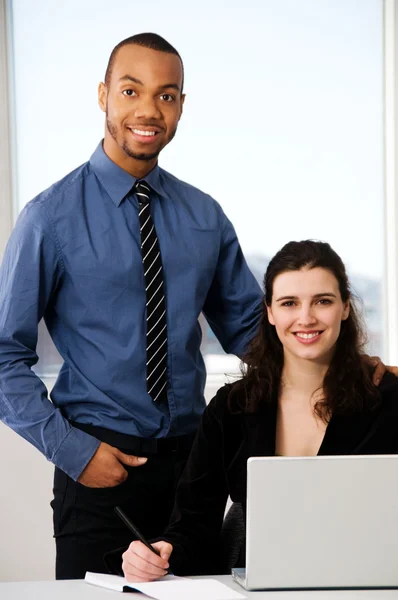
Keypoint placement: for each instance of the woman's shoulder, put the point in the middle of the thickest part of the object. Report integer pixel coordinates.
(231, 400)
(228, 400)
(219, 402)
(388, 382)
(388, 389)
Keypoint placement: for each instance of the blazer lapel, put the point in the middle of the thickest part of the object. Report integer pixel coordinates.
(260, 430)
(346, 433)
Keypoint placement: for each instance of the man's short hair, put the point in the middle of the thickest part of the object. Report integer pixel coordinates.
(146, 40)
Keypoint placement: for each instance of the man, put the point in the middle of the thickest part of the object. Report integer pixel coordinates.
(120, 274)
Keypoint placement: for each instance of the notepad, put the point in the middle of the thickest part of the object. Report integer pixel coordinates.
(169, 587)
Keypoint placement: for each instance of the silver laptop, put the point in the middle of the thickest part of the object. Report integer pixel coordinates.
(321, 522)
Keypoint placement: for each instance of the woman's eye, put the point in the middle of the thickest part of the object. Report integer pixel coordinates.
(288, 303)
(325, 301)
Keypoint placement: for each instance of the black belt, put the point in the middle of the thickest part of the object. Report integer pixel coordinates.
(131, 444)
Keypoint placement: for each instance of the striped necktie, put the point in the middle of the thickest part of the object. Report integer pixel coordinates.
(156, 319)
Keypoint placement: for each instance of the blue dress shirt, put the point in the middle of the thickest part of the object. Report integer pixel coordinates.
(74, 258)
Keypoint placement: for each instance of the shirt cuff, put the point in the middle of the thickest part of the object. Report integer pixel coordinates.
(75, 452)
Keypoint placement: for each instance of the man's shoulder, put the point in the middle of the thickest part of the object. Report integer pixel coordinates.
(171, 183)
(63, 186)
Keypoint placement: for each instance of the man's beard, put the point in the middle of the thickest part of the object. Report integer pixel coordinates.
(141, 156)
(137, 156)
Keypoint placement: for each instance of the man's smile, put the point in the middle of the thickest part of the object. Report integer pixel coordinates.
(144, 134)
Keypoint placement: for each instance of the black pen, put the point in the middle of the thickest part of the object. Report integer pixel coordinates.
(120, 513)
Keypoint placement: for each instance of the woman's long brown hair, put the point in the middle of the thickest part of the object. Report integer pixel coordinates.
(347, 386)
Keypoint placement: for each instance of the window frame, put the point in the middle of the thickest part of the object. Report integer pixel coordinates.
(7, 183)
(390, 126)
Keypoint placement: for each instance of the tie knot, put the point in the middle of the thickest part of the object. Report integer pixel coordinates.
(142, 190)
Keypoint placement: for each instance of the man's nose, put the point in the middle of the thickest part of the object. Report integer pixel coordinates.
(147, 107)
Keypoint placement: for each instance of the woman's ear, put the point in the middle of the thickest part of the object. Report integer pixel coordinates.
(270, 317)
(346, 310)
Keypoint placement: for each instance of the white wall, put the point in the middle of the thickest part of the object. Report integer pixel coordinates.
(27, 548)
(26, 543)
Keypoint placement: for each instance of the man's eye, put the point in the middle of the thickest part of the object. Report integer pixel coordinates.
(167, 97)
(128, 92)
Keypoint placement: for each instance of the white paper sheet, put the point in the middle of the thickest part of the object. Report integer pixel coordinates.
(169, 587)
(181, 588)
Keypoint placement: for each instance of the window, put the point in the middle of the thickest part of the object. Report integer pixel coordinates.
(283, 122)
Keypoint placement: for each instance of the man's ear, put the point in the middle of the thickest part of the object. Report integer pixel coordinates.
(182, 104)
(102, 96)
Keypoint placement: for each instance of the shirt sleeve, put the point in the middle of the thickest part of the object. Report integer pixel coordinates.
(201, 497)
(233, 304)
(30, 273)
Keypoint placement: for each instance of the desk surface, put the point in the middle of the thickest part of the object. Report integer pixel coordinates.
(79, 590)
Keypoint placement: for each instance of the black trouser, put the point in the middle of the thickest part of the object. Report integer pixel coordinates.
(85, 524)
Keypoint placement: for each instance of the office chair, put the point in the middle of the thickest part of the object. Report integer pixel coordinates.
(232, 536)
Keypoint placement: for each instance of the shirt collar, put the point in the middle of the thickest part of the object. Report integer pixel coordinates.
(116, 181)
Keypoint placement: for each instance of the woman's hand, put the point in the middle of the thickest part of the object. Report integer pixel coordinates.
(140, 564)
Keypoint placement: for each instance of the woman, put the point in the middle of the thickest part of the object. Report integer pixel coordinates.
(305, 391)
